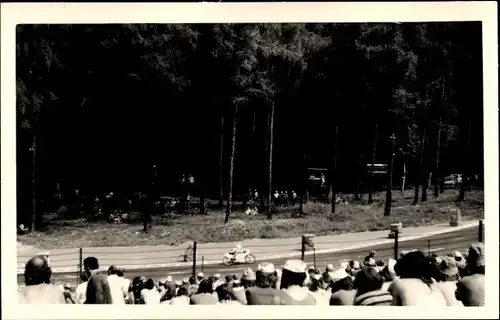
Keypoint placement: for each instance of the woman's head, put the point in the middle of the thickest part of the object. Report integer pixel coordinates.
(205, 287)
(182, 291)
(150, 285)
(314, 284)
(368, 280)
(224, 293)
(326, 280)
(414, 265)
(84, 277)
(346, 284)
(475, 258)
(294, 274)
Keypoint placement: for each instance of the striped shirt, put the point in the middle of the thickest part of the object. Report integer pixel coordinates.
(374, 298)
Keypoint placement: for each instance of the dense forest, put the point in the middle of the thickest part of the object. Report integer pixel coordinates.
(244, 106)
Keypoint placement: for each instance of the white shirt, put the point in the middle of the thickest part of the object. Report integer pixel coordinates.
(181, 300)
(125, 285)
(81, 292)
(150, 296)
(116, 289)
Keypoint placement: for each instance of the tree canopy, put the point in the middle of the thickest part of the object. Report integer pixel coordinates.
(105, 102)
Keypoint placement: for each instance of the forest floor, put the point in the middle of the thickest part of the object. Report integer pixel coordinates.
(60, 231)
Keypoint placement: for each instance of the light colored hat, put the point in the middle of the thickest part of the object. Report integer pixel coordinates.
(200, 274)
(371, 262)
(448, 266)
(217, 276)
(169, 279)
(296, 266)
(185, 280)
(316, 276)
(338, 274)
(249, 275)
(162, 281)
(266, 267)
(330, 267)
(343, 265)
(356, 265)
(457, 254)
(178, 283)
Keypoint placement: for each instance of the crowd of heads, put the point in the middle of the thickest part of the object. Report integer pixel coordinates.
(414, 279)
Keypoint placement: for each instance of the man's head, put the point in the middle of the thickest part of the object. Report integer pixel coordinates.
(200, 276)
(120, 272)
(112, 270)
(238, 246)
(37, 271)
(91, 263)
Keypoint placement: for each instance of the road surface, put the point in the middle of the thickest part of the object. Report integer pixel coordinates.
(439, 244)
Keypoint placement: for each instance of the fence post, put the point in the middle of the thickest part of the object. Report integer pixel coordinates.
(396, 244)
(314, 255)
(202, 262)
(303, 247)
(194, 259)
(80, 265)
(481, 231)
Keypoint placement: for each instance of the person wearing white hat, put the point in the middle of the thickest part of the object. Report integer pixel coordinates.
(264, 290)
(217, 281)
(45, 255)
(200, 277)
(293, 291)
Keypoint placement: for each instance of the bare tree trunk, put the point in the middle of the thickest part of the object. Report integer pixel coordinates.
(420, 170)
(403, 184)
(443, 156)
(390, 169)
(334, 171)
(221, 163)
(437, 173)
(465, 163)
(270, 172)
(374, 154)
(231, 167)
(358, 168)
(425, 172)
(33, 150)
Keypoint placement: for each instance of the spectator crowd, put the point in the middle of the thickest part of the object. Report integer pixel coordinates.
(413, 280)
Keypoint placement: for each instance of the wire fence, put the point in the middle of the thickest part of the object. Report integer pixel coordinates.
(191, 257)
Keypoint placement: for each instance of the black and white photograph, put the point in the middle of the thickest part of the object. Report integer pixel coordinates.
(251, 163)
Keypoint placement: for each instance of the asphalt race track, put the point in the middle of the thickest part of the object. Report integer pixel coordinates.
(439, 244)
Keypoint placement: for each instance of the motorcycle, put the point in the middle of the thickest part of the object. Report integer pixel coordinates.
(243, 257)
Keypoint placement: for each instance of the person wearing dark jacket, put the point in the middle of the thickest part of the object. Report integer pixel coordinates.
(98, 291)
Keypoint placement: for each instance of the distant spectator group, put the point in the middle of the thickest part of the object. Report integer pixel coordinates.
(413, 280)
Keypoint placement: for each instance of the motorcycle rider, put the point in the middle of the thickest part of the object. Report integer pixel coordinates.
(236, 251)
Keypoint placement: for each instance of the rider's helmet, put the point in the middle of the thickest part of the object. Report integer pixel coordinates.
(238, 247)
